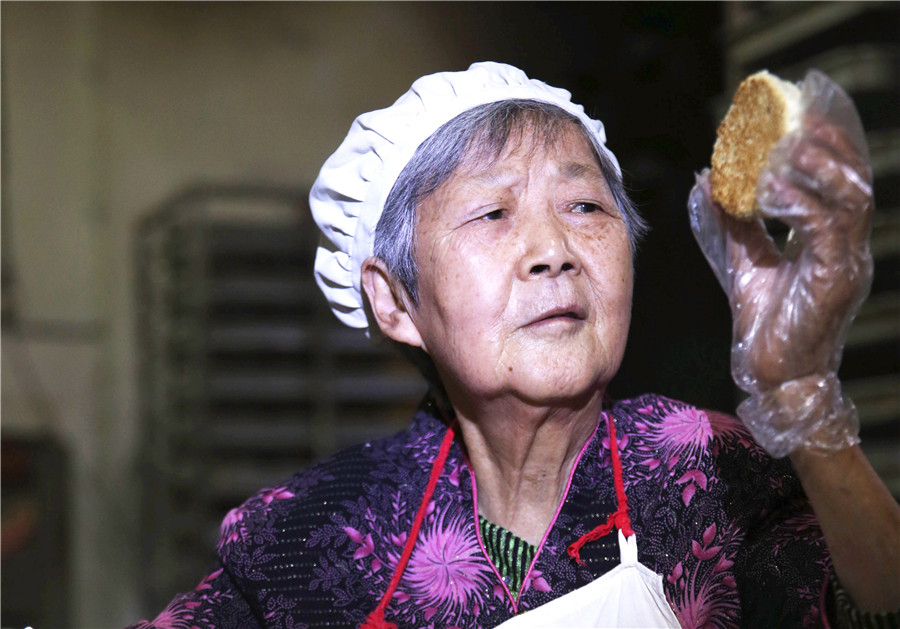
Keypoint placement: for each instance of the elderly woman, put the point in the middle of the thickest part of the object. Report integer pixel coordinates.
(485, 221)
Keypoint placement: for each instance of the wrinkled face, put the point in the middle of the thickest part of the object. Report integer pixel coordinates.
(525, 275)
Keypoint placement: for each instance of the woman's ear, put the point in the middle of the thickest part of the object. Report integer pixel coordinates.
(391, 306)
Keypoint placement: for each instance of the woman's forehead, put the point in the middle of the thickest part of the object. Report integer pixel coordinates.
(571, 153)
(527, 135)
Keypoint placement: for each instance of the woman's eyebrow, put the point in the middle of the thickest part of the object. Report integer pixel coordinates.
(580, 170)
(493, 177)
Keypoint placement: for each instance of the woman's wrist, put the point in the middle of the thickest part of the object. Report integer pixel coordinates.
(808, 413)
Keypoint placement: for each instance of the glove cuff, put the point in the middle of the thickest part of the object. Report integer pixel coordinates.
(808, 412)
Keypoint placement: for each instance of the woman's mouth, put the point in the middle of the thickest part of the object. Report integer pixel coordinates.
(568, 313)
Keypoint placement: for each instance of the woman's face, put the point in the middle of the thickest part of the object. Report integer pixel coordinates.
(525, 275)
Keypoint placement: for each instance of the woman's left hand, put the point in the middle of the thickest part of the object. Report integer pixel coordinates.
(791, 310)
(792, 307)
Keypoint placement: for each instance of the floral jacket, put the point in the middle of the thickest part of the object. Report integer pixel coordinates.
(726, 526)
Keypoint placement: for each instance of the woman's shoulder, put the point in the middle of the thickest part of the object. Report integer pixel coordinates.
(687, 448)
(321, 492)
(680, 427)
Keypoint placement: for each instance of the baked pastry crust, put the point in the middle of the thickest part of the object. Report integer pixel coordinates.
(763, 110)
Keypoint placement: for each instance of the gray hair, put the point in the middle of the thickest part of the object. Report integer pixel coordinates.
(475, 136)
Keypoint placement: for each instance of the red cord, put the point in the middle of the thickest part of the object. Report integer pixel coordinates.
(376, 619)
(618, 518)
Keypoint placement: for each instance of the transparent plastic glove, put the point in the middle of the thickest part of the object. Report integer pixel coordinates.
(792, 308)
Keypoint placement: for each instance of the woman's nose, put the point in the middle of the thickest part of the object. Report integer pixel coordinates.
(547, 251)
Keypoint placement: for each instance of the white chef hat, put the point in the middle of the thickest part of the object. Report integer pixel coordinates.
(348, 196)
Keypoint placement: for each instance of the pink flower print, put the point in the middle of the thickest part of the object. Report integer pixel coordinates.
(811, 620)
(454, 475)
(705, 551)
(233, 525)
(204, 584)
(705, 594)
(233, 517)
(400, 597)
(685, 432)
(366, 544)
(705, 606)
(231, 529)
(398, 540)
(776, 483)
(279, 493)
(365, 549)
(675, 577)
(177, 615)
(353, 534)
(447, 569)
(691, 480)
(621, 441)
(724, 563)
(803, 522)
(802, 527)
(728, 428)
(535, 580)
(709, 535)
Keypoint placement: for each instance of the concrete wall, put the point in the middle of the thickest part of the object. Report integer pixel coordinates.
(108, 109)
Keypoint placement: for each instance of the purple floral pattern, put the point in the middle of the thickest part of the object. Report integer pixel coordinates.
(698, 474)
(196, 610)
(727, 528)
(703, 591)
(447, 571)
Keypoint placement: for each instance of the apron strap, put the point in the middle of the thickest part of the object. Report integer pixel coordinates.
(376, 620)
(617, 519)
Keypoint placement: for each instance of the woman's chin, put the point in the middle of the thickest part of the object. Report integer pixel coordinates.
(570, 389)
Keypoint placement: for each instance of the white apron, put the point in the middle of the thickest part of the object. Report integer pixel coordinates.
(629, 595)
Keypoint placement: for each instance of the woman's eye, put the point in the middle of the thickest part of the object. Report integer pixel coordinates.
(494, 215)
(586, 208)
